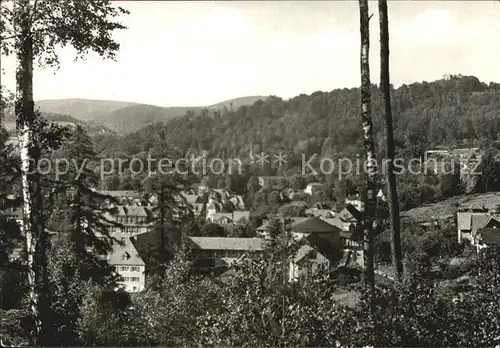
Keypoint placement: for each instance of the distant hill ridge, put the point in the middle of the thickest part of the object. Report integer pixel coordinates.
(62, 119)
(126, 117)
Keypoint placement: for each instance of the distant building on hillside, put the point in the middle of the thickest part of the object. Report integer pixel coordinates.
(461, 161)
(314, 188)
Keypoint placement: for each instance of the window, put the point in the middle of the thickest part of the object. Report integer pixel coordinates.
(134, 279)
(126, 279)
(134, 268)
(124, 268)
(134, 288)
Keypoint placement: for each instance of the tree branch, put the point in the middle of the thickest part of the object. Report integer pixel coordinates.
(33, 11)
(7, 37)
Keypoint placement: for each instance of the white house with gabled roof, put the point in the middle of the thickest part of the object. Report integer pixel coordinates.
(127, 263)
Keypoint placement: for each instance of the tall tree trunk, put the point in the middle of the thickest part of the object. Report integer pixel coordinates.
(391, 177)
(29, 152)
(366, 119)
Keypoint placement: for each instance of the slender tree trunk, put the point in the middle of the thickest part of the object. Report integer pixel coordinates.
(284, 280)
(369, 145)
(29, 152)
(391, 176)
(162, 233)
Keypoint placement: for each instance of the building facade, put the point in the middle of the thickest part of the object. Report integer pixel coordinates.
(128, 265)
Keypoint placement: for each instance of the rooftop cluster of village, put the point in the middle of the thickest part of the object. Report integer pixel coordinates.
(329, 236)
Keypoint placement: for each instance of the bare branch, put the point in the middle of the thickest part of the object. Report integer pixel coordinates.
(33, 11)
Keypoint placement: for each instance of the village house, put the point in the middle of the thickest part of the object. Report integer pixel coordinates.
(356, 201)
(469, 222)
(307, 259)
(134, 220)
(218, 253)
(213, 208)
(348, 220)
(129, 265)
(488, 236)
(262, 230)
(229, 218)
(314, 188)
(381, 195)
(462, 161)
(319, 233)
(202, 189)
(237, 201)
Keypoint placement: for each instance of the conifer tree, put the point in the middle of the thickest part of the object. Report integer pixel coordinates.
(89, 212)
(77, 261)
(171, 217)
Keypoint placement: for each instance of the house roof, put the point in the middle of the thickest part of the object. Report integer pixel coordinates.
(315, 184)
(264, 225)
(237, 201)
(131, 210)
(320, 212)
(335, 221)
(313, 225)
(303, 251)
(478, 222)
(490, 236)
(129, 251)
(222, 217)
(238, 215)
(191, 199)
(493, 221)
(297, 219)
(225, 243)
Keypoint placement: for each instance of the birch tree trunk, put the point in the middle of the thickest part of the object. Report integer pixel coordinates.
(29, 153)
(371, 164)
(391, 176)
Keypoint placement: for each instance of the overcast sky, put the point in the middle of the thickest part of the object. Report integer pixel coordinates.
(200, 53)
